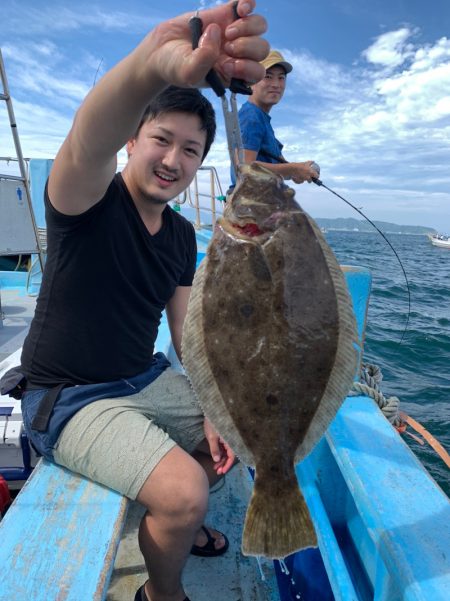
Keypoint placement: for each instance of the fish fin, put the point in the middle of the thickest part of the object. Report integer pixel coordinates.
(277, 525)
(345, 368)
(199, 373)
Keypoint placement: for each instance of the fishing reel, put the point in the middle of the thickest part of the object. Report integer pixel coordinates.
(316, 167)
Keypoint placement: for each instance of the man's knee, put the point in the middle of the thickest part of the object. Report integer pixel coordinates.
(177, 489)
(191, 495)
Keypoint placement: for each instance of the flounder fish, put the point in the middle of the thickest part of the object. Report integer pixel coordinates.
(269, 346)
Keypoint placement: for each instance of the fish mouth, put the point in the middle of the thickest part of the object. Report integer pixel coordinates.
(248, 230)
(252, 230)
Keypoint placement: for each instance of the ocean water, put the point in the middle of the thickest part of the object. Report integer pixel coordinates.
(417, 371)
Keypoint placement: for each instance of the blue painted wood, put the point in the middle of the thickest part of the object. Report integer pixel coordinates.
(400, 509)
(383, 524)
(59, 538)
(309, 471)
(334, 561)
(359, 281)
(310, 576)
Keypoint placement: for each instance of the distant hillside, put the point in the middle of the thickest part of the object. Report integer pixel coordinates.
(359, 225)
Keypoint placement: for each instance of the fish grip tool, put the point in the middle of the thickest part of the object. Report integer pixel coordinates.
(229, 108)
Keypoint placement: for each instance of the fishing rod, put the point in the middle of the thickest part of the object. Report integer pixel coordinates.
(319, 182)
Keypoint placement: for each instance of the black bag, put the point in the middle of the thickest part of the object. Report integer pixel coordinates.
(13, 383)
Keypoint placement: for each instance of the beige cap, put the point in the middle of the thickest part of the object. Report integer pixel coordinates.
(276, 58)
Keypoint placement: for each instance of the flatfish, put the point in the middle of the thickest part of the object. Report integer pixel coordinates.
(269, 346)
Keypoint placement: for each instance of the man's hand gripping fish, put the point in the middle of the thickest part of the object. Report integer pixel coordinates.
(269, 347)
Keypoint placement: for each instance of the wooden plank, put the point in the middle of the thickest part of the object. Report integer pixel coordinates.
(59, 538)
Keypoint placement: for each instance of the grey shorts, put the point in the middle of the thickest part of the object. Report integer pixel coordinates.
(118, 442)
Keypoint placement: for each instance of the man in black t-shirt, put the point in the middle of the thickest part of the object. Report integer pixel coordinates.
(98, 401)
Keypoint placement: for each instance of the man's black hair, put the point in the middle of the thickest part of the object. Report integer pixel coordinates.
(183, 100)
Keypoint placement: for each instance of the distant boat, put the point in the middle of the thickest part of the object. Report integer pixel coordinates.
(440, 240)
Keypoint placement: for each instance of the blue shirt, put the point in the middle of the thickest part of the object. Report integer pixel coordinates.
(258, 135)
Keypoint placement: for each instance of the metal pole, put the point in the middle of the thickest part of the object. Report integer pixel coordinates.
(23, 171)
(197, 204)
(213, 197)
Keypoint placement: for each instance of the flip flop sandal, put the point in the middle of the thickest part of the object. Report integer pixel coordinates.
(209, 549)
(141, 596)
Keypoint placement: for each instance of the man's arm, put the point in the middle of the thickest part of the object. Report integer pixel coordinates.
(110, 114)
(176, 310)
(298, 172)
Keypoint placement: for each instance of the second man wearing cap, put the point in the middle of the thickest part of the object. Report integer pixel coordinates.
(258, 137)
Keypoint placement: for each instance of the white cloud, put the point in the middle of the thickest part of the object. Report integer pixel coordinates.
(371, 108)
(429, 56)
(41, 130)
(316, 77)
(390, 49)
(45, 19)
(209, 3)
(380, 131)
(50, 77)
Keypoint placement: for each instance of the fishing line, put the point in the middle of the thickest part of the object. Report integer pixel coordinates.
(319, 182)
(98, 69)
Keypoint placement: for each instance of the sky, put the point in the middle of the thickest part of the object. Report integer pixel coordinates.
(368, 99)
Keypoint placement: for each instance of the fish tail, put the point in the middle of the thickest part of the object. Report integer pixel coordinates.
(277, 523)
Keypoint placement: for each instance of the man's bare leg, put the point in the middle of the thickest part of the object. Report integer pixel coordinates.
(176, 496)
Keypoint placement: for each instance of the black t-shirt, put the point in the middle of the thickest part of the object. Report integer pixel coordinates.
(106, 282)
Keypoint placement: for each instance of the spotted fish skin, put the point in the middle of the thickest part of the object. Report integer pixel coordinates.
(269, 347)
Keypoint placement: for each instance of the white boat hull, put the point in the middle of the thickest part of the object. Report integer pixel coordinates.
(441, 243)
(439, 240)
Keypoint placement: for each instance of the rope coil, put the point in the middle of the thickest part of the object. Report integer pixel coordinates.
(369, 385)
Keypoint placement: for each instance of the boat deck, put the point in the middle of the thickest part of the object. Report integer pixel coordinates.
(17, 309)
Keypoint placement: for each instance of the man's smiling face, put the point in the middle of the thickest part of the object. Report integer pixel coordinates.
(269, 91)
(164, 157)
